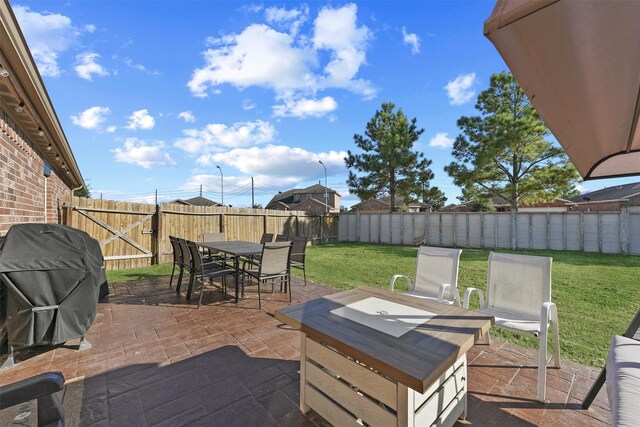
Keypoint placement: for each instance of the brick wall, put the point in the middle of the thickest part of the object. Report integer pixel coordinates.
(612, 206)
(25, 194)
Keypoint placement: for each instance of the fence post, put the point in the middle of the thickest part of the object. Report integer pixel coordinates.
(468, 238)
(582, 231)
(358, 225)
(599, 232)
(624, 230)
(481, 230)
(264, 223)
(495, 230)
(157, 221)
(548, 230)
(514, 231)
(530, 230)
(379, 228)
(564, 231)
(425, 229)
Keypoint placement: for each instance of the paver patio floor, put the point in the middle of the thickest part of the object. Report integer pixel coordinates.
(158, 360)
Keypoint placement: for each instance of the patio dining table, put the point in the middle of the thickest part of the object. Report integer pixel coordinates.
(236, 249)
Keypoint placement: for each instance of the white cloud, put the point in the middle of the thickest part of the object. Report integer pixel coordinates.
(441, 140)
(136, 66)
(86, 66)
(289, 64)
(48, 35)
(582, 189)
(187, 116)
(411, 39)
(111, 129)
(337, 31)
(129, 63)
(138, 152)
(217, 136)
(251, 8)
(461, 90)
(248, 104)
(278, 162)
(90, 28)
(141, 119)
(289, 19)
(259, 56)
(91, 117)
(306, 107)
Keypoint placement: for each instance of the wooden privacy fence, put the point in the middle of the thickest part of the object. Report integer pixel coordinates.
(137, 234)
(608, 232)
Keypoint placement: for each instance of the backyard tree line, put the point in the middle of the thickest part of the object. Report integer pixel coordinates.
(502, 152)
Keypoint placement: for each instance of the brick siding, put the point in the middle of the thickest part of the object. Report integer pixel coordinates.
(23, 186)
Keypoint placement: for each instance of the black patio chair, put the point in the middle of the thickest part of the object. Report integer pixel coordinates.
(207, 255)
(266, 238)
(273, 265)
(282, 238)
(298, 255)
(44, 388)
(175, 247)
(185, 262)
(205, 271)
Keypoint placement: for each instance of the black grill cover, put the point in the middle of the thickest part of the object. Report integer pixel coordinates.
(53, 274)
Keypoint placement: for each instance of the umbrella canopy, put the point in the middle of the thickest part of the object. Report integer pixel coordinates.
(579, 64)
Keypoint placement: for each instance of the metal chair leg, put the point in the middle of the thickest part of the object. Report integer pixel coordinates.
(172, 271)
(190, 288)
(179, 285)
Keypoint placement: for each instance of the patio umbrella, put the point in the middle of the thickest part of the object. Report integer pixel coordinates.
(579, 64)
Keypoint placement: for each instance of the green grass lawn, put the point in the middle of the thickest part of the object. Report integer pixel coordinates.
(597, 294)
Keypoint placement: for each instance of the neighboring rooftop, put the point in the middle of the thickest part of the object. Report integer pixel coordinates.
(291, 199)
(385, 202)
(197, 201)
(618, 192)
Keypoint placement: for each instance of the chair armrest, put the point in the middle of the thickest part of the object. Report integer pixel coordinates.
(467, 295)
(453, 293)
(443, 288)
(35, 387)
(400, 276)
(250, 261)
(548, 314)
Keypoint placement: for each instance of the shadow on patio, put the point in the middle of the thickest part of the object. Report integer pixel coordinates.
(157, 360)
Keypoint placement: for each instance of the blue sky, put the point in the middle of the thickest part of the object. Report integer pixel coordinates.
(155, 95)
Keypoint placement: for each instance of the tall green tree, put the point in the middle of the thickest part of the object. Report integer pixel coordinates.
(504, 151)
(84, 191)
(388, 164)
(435, 197)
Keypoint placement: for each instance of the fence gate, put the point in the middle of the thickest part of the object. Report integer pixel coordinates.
(125, 231)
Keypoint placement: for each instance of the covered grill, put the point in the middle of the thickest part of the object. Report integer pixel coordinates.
(53, 274)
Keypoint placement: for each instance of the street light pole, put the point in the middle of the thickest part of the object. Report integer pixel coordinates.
(221, 185)
(326, 195)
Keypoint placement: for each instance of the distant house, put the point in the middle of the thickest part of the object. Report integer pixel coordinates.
(309, 199)
(37, 166)
(196, 201)
(383, 205)
(610, 199)
(501, 204)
